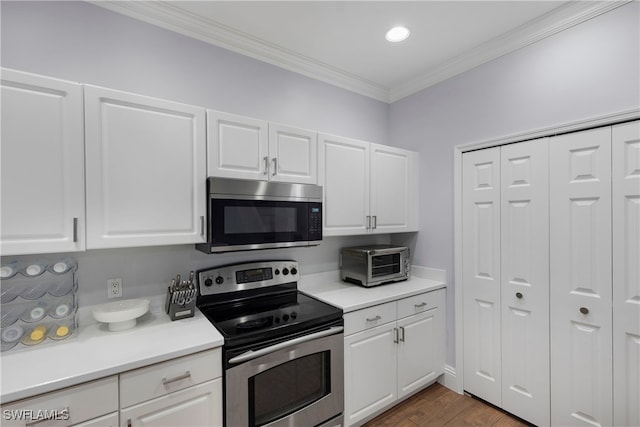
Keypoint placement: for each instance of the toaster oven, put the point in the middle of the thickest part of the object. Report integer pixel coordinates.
(374, 264)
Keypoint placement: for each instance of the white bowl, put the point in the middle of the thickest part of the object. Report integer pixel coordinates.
(121, 315)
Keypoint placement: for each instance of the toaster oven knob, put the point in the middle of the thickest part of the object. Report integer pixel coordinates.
(208, 281)
(294, 314)
(219, 280)
(285, 271)
(294, 271)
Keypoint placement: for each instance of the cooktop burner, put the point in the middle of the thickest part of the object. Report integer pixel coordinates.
(255, 302)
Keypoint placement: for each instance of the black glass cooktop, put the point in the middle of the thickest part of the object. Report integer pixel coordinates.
(268, 316)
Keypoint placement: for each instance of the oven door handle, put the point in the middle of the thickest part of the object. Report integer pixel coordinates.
(249, 355)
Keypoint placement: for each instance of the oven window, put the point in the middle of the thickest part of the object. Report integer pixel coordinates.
(284, 389)
(382, 265)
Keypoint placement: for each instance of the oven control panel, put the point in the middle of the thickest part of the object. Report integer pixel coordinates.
(240, 277)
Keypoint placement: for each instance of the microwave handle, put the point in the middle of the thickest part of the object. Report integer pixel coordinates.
(250, 355)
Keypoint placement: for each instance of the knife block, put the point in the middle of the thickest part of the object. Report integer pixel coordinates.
(179, 310)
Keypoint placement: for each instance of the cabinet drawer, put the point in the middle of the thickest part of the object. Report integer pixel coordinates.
(370, 317)
(162, 378)
(68, 406)
(419, 303)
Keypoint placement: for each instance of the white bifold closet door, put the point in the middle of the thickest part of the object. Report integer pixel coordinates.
(525, 280)
(506, 277)
(625, 151)
(581, 278)
(481, 274)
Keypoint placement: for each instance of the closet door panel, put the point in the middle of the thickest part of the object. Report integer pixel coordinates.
(580, 273)
(481, 274)
(626, 273)
(525, 280)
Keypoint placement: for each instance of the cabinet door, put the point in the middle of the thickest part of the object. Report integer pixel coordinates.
(370, 372)
(420, 350)
(580, 278)
(344, 175)
(525, 280)
(393, 189)
(146, 176)
(481, 274)
(625, 151)
(42, 165)
(196, 406)
(294, 154)
(238, 146)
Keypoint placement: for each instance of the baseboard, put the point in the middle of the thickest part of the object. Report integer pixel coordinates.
(450, 379)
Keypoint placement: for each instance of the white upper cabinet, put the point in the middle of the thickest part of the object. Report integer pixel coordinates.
(248, 148)
(344, 176)
(238, 147)
(368, 188)
(146, 170)
(294, 154)
(394, 189)
(42, 165)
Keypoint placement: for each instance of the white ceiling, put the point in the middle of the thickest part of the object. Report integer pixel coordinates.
(342, 42)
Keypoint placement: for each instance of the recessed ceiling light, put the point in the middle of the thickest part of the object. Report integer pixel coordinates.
(397, 34)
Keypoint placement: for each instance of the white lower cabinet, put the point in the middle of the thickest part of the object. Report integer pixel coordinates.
(186, 391)
(199, 405)
(181, 392)
(86, 404)
(391, 351)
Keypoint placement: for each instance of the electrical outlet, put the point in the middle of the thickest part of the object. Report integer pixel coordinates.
(114, 288)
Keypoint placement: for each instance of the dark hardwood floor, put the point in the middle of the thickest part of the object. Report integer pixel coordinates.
(439, 406)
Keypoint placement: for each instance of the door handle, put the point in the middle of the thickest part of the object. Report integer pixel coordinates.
(266, 165)
(275, 166)
(402, 333)
(251, 354)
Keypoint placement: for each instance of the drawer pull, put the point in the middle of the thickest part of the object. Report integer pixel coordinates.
(60, 414)
(584, 310)
(374, 319)
(422, 304)
(395, 335)
(166, 382)
(402, 333)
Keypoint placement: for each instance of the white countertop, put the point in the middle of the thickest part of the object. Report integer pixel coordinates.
(95, 352)
(329, 288)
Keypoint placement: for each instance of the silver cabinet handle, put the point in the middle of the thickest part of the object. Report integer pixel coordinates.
(395, 335)
(422, 304)
(251, 354)
(402, 333)
(266, 165)
(129, 422)
(375, 222)
(60, 412)
(202, 225)
(275, 166)
(166, 382)
(374, 319)
(75, 230)
(368, 222)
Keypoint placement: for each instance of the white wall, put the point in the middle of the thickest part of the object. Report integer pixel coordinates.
(81, 42)
(586, 71)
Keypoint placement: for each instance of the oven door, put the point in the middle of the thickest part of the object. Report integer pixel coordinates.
(386, 266)
(242, 224)
(293, 383)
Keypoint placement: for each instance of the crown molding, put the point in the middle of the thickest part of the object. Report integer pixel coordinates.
(556, 21)
(173, 18)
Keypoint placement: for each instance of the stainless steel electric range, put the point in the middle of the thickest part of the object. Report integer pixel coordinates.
(283, 349)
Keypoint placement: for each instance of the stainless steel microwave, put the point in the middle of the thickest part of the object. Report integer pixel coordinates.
(375, 264)
(247, 215)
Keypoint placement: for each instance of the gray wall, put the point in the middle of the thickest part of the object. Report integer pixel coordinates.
(587, 71)
(81, 42)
